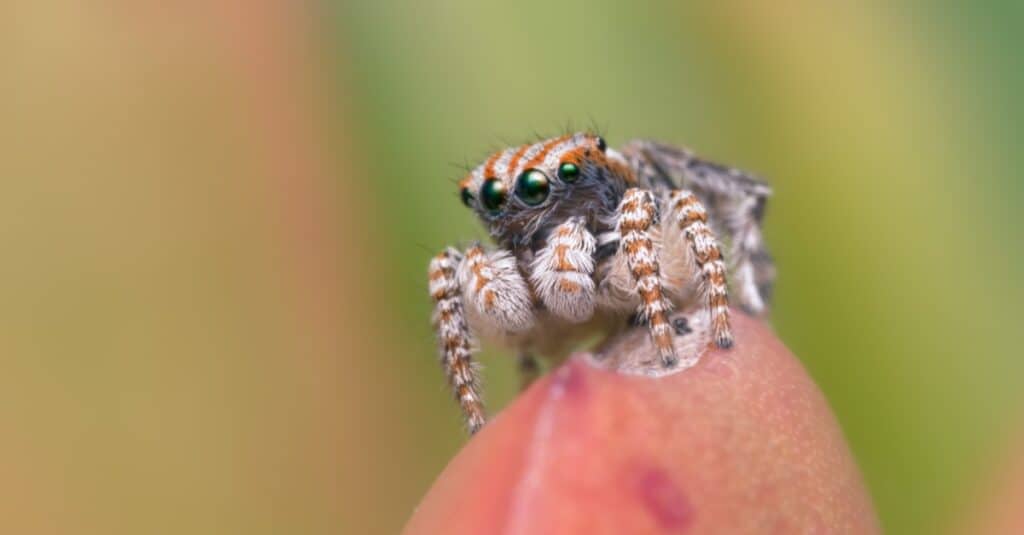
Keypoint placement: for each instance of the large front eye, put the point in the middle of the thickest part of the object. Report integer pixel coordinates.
(532, 187)
(493, 194)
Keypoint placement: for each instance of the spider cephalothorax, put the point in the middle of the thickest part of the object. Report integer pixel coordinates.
(521, 191)
(589, 236)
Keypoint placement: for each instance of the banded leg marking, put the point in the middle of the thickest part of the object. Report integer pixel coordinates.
(454, 338)
(636, 216)
(692, 219)
(737, 201)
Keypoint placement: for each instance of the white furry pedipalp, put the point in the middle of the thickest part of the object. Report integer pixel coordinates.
(494, 291)
(562, 272)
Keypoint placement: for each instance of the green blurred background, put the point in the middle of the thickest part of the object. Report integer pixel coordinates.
(216, 218)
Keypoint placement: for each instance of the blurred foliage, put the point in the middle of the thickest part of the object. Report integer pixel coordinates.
(888, 134)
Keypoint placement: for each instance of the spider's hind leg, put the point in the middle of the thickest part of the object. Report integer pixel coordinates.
(752, 265)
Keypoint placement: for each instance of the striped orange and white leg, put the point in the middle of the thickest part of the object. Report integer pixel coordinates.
(738, 208)
(636, 216)
(454, 339)
(487, 290)
(692, 220)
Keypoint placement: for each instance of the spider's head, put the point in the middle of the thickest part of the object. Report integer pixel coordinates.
(520, 191)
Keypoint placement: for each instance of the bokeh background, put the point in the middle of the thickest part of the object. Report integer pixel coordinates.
(215, 219)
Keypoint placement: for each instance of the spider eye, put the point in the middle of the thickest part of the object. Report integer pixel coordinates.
(532, 187)
(601, 144)
(467, 197)
(568, 172)
(493, 194)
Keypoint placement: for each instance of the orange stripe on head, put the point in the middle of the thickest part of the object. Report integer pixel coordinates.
(517, 156)
(548, 145)
(589, 153)
(576, 155)
(489, 166)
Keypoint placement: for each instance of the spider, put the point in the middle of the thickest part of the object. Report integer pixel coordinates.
(587, 237)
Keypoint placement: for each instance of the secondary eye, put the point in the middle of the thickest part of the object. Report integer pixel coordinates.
(532, 187)
(493, 194)
(568, 172)
(601, 144)
(467, 197)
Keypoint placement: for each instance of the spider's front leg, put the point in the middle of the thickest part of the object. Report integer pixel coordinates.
(489, 286)
(692, 220)
(636, 215)
(453, 336)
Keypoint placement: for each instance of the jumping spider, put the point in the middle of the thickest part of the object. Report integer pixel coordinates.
(588, 236)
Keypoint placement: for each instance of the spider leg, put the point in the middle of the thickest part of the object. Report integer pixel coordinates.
(753, 267)
(454, 337)
(561, 273)
(692, 220)
(735, 200)
(636, 216)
